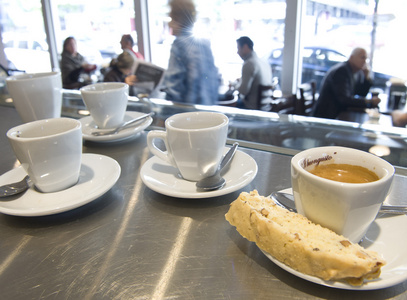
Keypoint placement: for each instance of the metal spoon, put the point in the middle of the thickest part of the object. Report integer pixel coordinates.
(123, 126)
(15, 188)
(216, 181)
(287, 201)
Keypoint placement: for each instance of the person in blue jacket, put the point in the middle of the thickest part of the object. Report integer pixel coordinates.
(192, 76)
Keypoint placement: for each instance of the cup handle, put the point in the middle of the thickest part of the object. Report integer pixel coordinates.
(164, 155)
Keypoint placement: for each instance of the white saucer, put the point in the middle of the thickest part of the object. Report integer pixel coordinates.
(385, 236)
(98, 174)
(89, 126)
(165, 179)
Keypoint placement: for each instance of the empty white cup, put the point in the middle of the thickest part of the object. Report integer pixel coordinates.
(194, 142)
(50, 151)
(106, 102)
(36, 96)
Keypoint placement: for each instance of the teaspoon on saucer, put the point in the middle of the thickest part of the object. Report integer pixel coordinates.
(15, 188)
(286, 200)
(123, 126)
(216, 181)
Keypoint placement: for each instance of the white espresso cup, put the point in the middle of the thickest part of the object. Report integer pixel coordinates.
(194, 143)
(346, 208)
(50, 151)
(36, 96)
(106, 102)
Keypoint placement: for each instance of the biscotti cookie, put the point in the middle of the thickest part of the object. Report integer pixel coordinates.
(302, 245)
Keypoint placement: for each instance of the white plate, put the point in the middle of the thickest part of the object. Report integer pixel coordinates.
(89, 126)
(165, 179)
(381, 237)
(98, 174)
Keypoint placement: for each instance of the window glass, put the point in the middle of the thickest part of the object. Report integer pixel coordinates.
(335, 57)
(22, 26)
(96, 25)
(339, 29)
(222, 22)
(307, 53)
(276, 53)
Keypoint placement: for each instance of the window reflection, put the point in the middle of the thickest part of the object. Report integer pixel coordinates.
(369, 24)
(98, 25)
(23, 36)
(222, 22)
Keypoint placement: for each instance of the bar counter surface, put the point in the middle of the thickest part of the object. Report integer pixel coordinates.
(134, 243)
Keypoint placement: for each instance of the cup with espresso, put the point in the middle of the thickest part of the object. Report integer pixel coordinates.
(340, 188)
(194, 143)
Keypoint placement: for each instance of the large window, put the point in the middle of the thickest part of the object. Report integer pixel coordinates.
(96, 25)
(23, 36)
(329, 30)
(222, 22)
(332, 31)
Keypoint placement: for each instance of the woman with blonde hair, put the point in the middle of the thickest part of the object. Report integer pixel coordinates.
(121, 70)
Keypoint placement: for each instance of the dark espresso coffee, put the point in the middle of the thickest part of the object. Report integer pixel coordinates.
(344, 173)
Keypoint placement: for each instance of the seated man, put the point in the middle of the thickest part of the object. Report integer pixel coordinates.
(255, 72)
(127, 43)
(345, 86)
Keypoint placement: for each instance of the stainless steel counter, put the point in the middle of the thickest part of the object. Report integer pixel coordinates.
(133, 243)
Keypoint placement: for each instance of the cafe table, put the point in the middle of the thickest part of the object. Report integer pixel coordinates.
(133, 242)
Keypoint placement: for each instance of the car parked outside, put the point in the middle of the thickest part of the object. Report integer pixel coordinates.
(316, 62)
(26, 53)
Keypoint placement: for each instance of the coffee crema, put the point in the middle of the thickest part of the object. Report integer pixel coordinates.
(344, 173)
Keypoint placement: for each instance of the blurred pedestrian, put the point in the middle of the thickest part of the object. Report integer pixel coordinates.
(191, 76)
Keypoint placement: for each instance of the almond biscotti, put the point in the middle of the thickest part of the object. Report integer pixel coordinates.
(302, 245)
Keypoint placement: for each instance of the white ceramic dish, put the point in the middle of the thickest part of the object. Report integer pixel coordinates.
(163, 178)
(98, 174)
(89, 126)
(382, 238)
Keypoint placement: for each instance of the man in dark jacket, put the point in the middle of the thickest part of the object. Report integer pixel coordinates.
(345, 86)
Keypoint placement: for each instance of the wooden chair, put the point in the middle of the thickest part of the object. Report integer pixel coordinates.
(265, 95)
(307, 98)
(285, 105)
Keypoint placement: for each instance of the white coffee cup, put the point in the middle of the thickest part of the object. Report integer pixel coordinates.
(194, 143)
(36, 96)
(345, 208)
(50, 151)
(106, 102)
